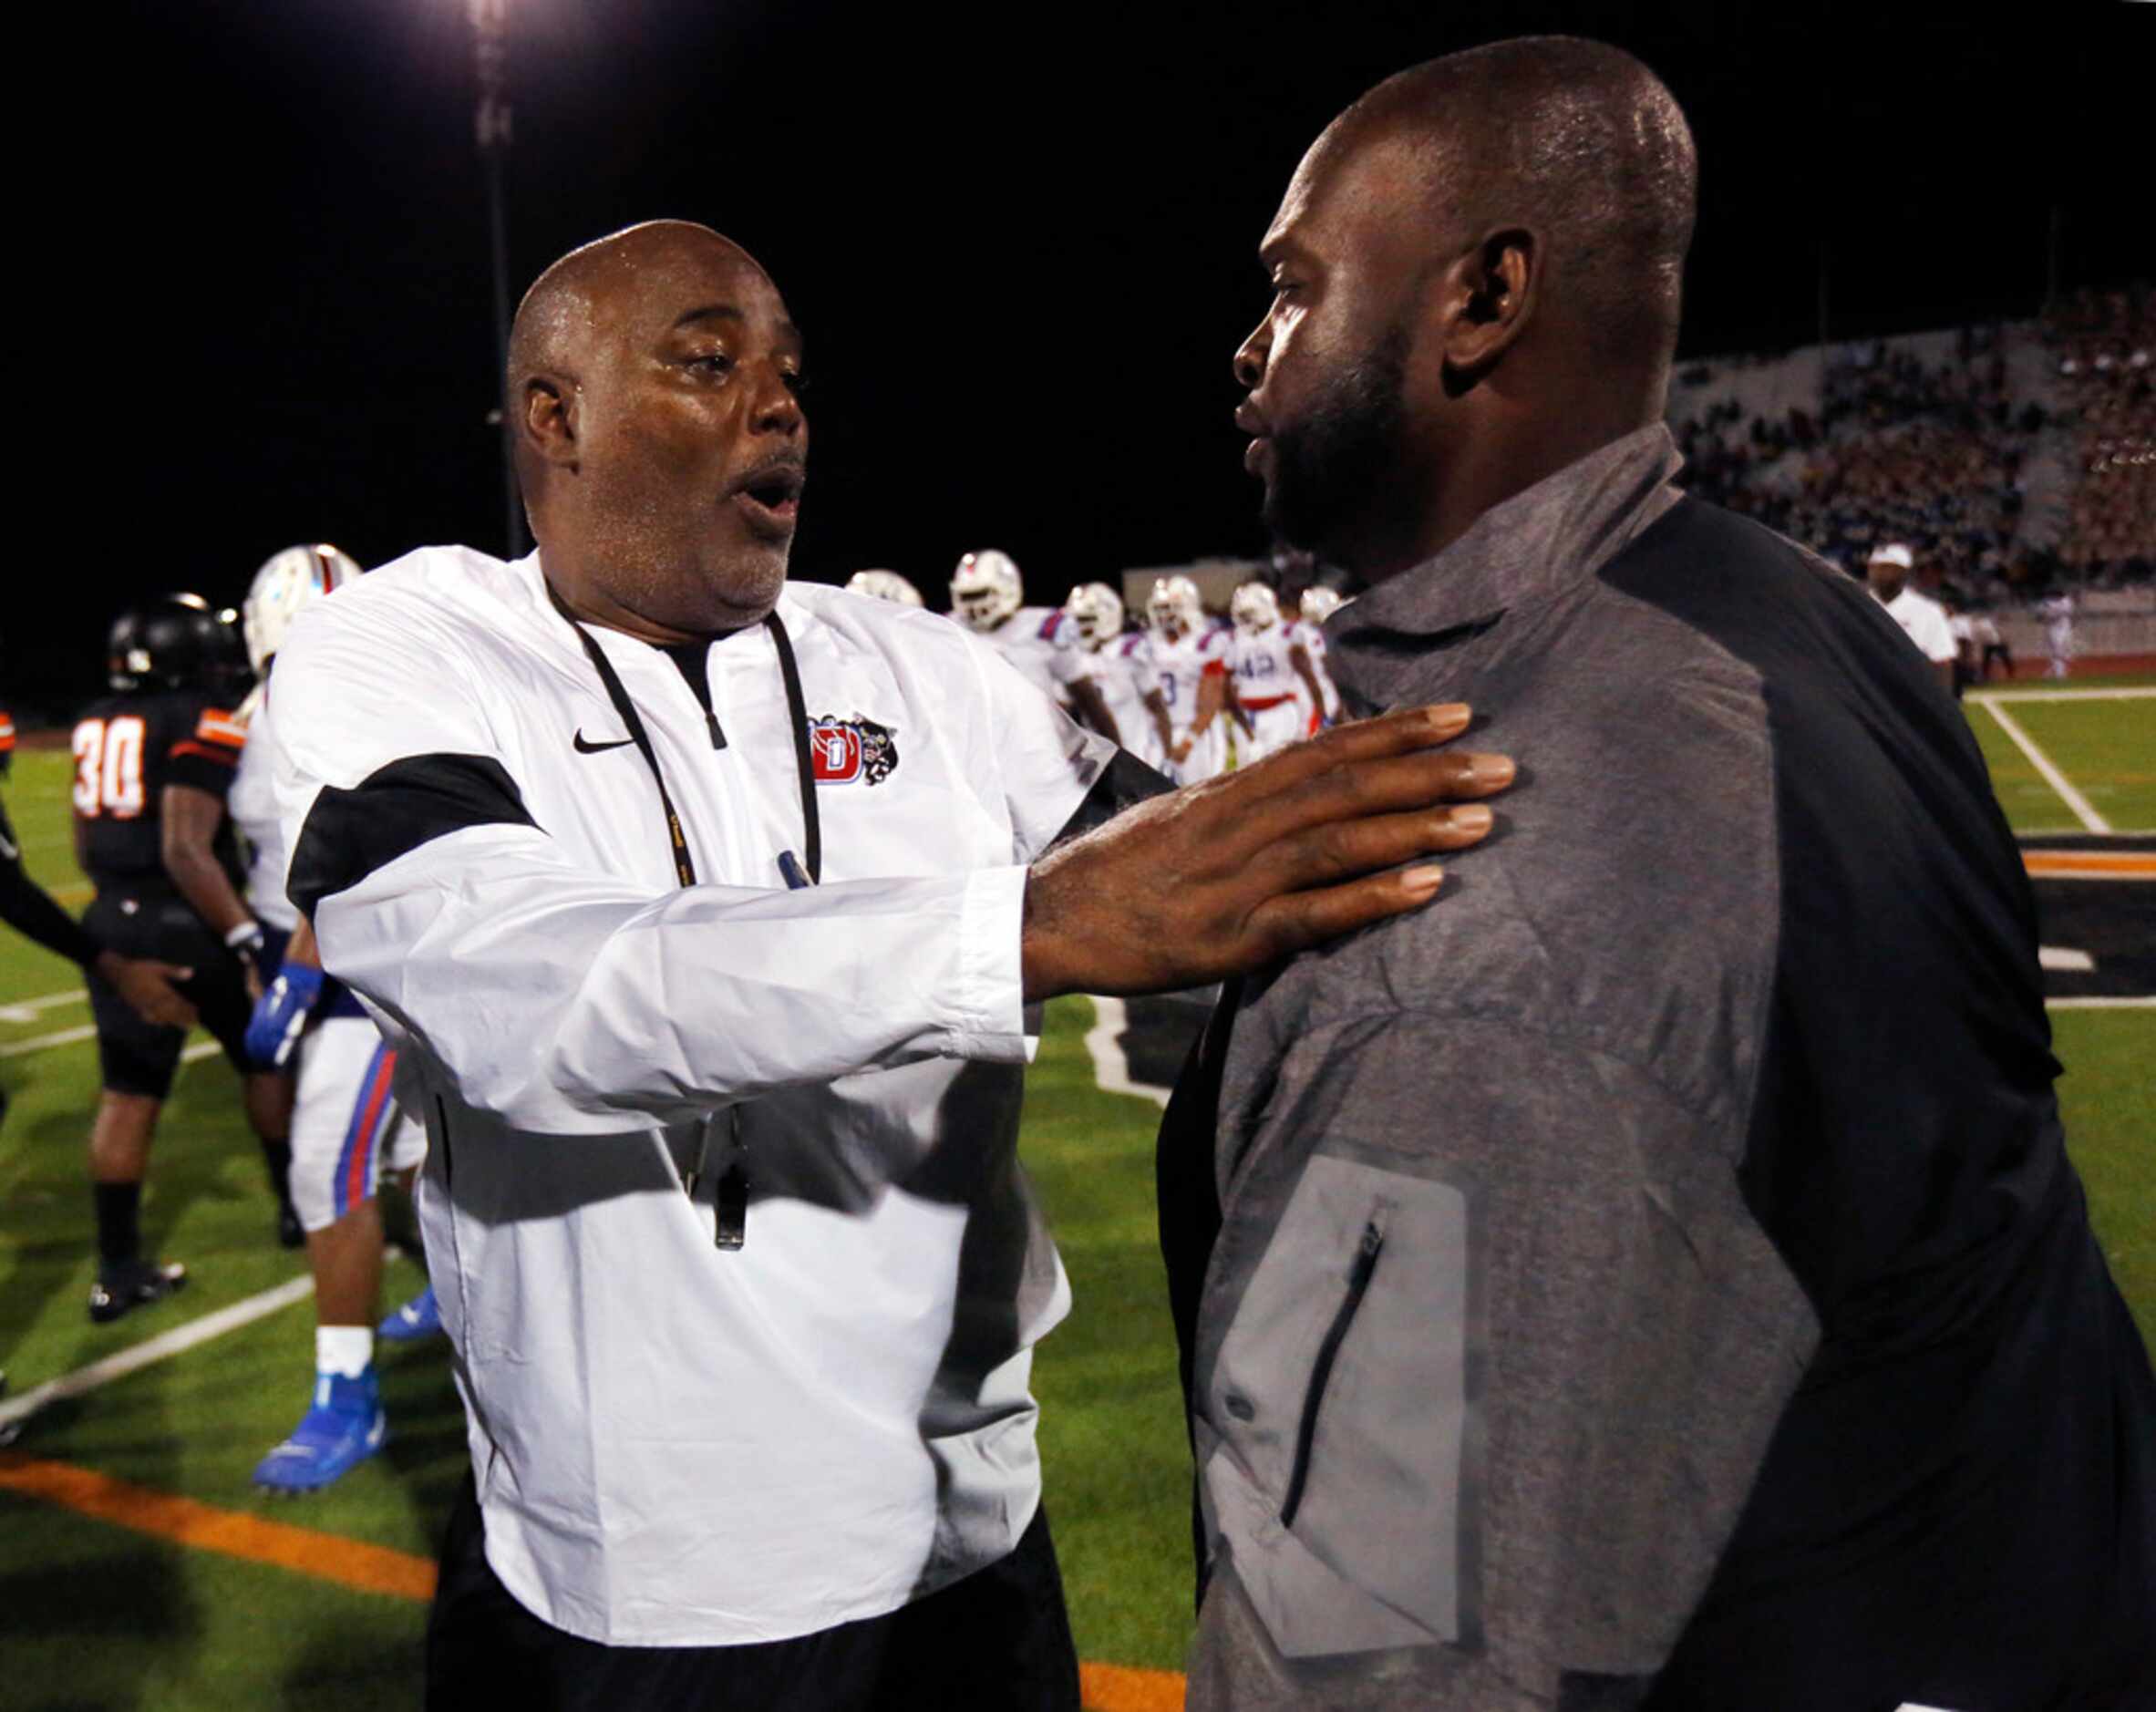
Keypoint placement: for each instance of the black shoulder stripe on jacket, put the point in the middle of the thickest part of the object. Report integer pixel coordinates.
(350, 833)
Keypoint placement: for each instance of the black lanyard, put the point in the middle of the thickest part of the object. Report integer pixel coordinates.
(797, 709)
(730, 1195)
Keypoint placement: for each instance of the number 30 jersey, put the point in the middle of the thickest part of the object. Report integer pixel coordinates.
(128, 748)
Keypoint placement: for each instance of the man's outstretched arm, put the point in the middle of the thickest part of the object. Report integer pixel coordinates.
(564, 998)
(1225, 877)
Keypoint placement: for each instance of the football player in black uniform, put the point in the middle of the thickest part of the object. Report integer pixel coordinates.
(146, 984)
(29, 909)
(152, 764)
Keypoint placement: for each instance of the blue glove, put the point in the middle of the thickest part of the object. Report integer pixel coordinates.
(281, 1014)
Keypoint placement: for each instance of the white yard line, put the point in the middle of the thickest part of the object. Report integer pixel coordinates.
(25, 1010)
(2026, 832)
(2065, 960)
(155, 1349)
(2101, 1004)
(1988, 696)
(2051, 776)
(38, 1043)
(88, 1031)
(137, 1356)
(1111, 1069)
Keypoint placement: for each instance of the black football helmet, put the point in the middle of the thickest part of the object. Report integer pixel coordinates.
(177, 642)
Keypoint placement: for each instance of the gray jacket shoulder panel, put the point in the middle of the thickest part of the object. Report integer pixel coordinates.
(1647, 776)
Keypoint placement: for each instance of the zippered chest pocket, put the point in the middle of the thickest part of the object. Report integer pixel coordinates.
(1347, 1394)
(1359, 1274)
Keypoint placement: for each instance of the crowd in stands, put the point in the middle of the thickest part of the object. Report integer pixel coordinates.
(1937, 453)
(2103, 342)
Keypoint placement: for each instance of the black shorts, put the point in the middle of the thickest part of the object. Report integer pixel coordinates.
(998, 1641)
(139, 1057)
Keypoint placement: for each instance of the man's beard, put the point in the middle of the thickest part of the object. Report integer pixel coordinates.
(1331, 462)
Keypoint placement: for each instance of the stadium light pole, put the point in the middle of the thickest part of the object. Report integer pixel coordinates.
(490, 30)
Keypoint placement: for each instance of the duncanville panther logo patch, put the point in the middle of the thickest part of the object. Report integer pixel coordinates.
(846, 750)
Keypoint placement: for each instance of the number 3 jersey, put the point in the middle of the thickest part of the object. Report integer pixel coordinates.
(1180, 663)
(128, 748)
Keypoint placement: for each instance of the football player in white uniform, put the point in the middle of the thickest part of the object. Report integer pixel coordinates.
(2058, 613)
(1191, 671)
(884, 585)
(345, 1121)
(1267, 667)
(1318, 603)
(988, 596)
(1120, 668)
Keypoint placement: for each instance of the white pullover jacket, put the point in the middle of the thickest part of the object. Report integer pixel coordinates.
(677, 1444)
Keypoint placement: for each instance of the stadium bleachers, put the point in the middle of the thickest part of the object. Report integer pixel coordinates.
(2018, 459)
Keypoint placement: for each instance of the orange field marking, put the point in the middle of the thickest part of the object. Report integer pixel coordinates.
(376, 1569)
(372, 1569)
(2067, 864)
(1118, 1688)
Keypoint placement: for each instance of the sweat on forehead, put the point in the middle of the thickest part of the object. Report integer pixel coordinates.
(607, 279)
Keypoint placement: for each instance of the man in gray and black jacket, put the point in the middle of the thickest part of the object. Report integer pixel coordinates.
(1654, 1279)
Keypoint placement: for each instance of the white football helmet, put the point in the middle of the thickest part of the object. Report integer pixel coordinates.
(1097, 611)
(287, 581)
(883, 585)
(985, 589)
(1254, 608)
(1173, 605)
(1320, 602)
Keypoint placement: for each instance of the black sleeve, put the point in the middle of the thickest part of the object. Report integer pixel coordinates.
(26, 907)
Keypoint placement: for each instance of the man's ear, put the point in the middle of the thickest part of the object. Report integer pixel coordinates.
(1490, 299)
(547, 420)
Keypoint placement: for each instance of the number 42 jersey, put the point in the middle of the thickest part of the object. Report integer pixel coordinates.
(128, 748)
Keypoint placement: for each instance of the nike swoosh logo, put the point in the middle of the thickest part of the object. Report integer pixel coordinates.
(592, 749)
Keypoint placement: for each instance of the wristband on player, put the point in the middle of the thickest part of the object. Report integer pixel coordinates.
(246, 941)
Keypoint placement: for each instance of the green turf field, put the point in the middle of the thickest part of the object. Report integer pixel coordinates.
(97, 1616)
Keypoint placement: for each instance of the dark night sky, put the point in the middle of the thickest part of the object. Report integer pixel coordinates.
(1020, 240)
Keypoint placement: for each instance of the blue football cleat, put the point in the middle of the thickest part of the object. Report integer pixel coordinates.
(342, 1427)
(419, 1317)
